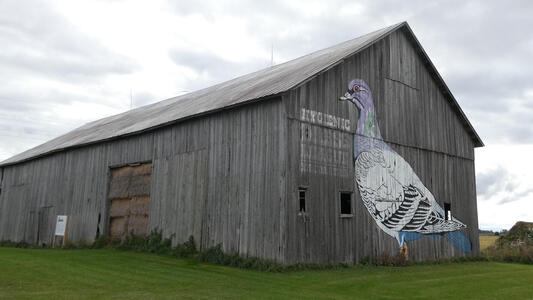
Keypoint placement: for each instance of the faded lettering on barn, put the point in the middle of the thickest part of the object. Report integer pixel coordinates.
(325, 144)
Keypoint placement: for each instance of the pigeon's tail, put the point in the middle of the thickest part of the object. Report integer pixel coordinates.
(456, 238)
(459, 241)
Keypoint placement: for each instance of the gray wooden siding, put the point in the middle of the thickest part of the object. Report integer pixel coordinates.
(414, 118)
(216, 178)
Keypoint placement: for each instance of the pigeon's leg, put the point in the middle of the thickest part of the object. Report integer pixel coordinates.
(403, 249)
(400, 236)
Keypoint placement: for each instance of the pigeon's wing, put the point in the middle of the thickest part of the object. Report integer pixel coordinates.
(412, 213)
(436, 223)
(368, 186)
(429, 216)
(427, 219)
(390, 203)
(395, 196)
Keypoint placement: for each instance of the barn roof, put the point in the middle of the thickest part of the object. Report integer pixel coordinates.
(258, 85)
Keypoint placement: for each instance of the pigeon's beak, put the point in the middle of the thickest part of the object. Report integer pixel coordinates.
(348, 97)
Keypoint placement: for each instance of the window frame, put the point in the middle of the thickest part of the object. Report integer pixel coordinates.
(343, 215)
(447, 211)
(304, 190)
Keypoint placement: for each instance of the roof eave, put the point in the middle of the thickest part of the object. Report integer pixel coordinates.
(59, 150)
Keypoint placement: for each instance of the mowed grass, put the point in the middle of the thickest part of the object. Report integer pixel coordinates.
(486, 240)
(67, 274)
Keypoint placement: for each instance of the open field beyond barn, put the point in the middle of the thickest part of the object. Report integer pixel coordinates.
(486, 240)
(48, 273)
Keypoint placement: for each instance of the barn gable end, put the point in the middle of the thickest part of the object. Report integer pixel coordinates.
(416, 119)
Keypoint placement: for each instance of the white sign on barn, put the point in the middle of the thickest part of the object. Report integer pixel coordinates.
(61, 225)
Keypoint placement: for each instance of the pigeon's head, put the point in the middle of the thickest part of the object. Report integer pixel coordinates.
(359, 94)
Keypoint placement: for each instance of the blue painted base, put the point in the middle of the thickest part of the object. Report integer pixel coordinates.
(456, 238)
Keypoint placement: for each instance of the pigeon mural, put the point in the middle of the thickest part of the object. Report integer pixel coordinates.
(391, 191)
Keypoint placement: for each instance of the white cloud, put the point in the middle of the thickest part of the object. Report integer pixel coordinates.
(504, 177)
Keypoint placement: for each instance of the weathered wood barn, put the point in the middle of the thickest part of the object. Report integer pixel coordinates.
(272, 164)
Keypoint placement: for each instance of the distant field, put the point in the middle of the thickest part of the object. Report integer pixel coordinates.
(88, 274)
(486, 240)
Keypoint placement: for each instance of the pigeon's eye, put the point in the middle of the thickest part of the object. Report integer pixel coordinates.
(356, 88)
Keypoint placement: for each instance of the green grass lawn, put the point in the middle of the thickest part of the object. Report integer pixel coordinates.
(49, 273)
(486, 240)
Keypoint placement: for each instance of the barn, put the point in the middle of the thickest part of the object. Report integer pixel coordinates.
(349, 152)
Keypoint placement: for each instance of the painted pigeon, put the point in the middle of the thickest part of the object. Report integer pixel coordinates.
(391, 191)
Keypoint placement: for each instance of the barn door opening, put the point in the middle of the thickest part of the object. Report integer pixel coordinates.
(31, 234)
(45, 225)
(129, 199)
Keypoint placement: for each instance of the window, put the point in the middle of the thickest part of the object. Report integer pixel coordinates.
(301, 196)
(346, 203)
(447, 211)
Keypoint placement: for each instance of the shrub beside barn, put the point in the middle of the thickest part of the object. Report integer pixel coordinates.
(352, 151)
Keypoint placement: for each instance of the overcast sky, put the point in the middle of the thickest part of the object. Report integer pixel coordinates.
(64, 63)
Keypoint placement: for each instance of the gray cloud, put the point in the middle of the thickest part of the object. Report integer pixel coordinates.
(500, 181)
(38, 40)
(43, 54)
(521, 134)
(141, 98)
(212, 68)
(289, 27)
(518, 196)
(491, 181)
